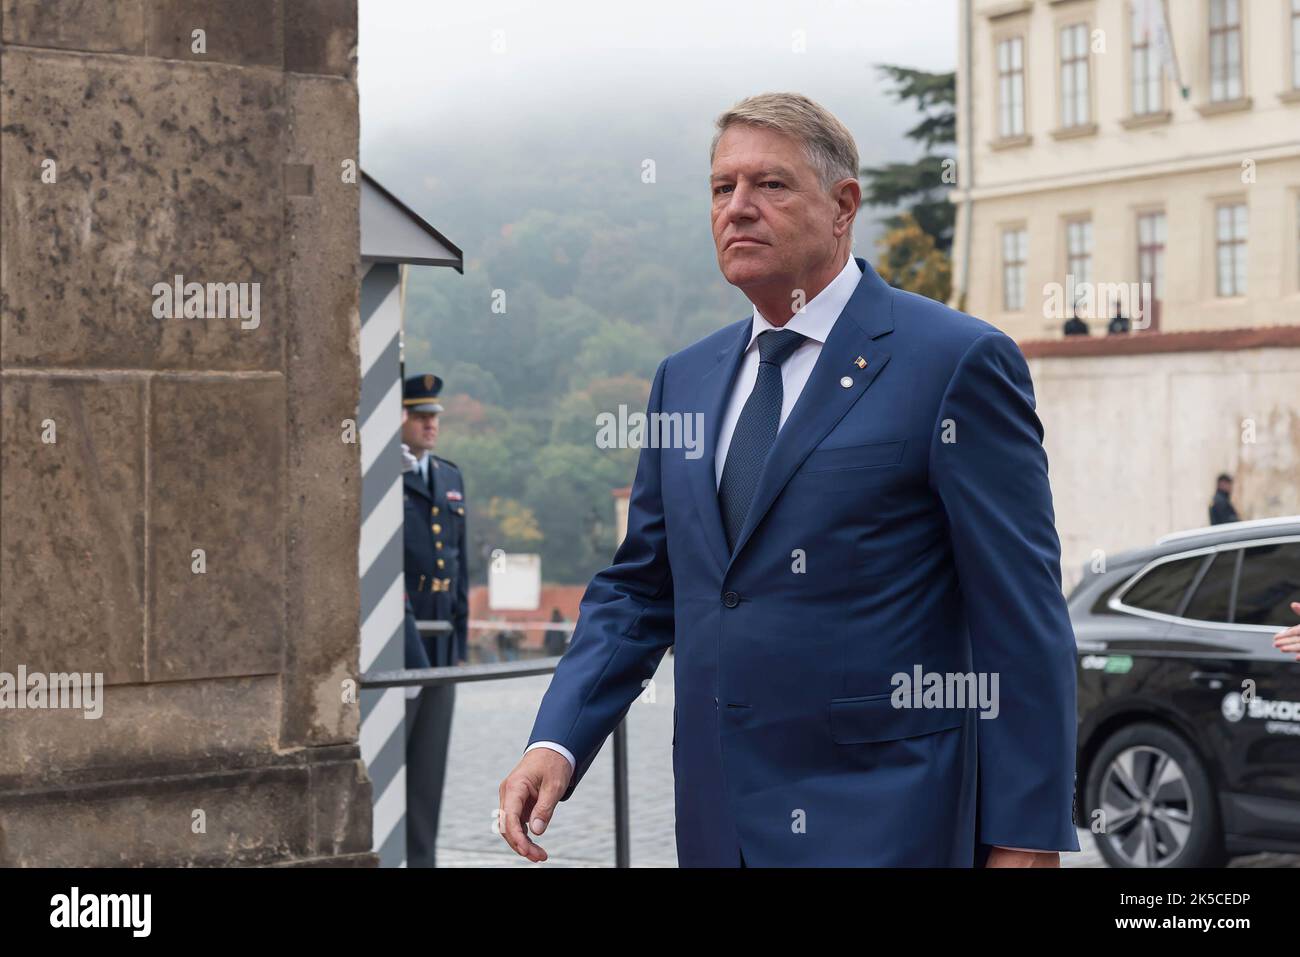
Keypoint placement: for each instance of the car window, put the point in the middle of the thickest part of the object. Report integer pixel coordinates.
(1270, 581)
(1213, 596)
(1162, 588)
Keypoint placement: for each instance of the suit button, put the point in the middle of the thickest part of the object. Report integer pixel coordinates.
(731, 599)
(435, 510)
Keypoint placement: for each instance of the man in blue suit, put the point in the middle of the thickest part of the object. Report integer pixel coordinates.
(872, 506)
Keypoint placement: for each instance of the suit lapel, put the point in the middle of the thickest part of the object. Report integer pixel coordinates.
(714, 391)
(824, 400)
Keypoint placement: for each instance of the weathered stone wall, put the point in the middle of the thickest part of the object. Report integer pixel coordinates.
(1135, 441)
(130, 155)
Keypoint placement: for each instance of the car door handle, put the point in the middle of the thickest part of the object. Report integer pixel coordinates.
(1213, 678)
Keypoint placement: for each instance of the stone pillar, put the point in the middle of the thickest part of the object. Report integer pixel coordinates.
(179, 496)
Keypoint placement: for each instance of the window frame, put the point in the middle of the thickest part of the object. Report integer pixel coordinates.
(1159, 248)
(1241, 247)
(1062, 67)
(1231, 32)
(1207, 553)
(1151, 62)
(1022, 264)
(1294, 21)
(1000, 105)
(1295, 238)
(1067, 223)
(1236, 586)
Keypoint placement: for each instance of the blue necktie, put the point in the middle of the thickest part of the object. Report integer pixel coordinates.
(755, 431)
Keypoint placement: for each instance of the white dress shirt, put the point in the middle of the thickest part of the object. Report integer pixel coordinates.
(814, 321)
(421, 469)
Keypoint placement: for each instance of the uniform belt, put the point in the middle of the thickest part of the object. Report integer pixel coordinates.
(435, 584)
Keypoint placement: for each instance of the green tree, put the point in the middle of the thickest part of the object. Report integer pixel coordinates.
(920, 187)
(909, 260)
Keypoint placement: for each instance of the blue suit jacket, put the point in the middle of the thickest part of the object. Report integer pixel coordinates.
(918, 497)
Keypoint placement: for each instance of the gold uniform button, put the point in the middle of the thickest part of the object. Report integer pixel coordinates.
(437, 545)
(435, 510)
(442, 563)
(437, 528)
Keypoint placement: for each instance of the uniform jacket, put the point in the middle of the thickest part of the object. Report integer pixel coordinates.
(437, 579)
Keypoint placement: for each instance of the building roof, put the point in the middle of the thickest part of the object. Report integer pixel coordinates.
(392, 232)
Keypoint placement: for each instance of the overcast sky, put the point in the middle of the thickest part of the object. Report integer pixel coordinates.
(429, 72)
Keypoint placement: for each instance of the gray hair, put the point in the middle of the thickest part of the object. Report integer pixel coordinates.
(826, 141)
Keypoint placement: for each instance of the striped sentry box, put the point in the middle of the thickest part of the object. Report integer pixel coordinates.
(383, 713)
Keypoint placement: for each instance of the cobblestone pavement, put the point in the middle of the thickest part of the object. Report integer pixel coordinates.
(489, 731)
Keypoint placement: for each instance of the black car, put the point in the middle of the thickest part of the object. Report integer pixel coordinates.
(1189, 717)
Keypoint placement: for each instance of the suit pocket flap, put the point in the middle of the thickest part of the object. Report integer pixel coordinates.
(855, 457)
(874, 718)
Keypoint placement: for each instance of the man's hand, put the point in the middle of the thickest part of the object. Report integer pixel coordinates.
(1003, 857)
(1288, 642)
(530, 793)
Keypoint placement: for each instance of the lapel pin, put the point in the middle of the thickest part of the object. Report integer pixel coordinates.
(846, 382)
(860, 362)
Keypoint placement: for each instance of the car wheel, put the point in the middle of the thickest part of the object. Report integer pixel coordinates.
(1157, 806)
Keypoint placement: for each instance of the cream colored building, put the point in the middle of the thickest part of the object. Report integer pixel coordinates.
(1079, 156)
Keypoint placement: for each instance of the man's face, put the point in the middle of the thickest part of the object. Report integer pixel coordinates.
(1225, 486)
(766, 194)
(420, 430)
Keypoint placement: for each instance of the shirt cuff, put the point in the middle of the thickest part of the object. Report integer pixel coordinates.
(559, 748)
(1031, 850)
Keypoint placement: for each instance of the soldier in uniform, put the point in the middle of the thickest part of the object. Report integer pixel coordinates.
(437, 584)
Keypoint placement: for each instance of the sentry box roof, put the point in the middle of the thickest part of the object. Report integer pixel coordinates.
(392, 232)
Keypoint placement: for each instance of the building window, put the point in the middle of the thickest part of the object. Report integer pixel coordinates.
(1078, 258)
(1015, 252)
(1151, 267)
(1011, 87)
(1230, 240)
(1225, 50)
(1148, 78)
(1295, 44)
(1074, 75)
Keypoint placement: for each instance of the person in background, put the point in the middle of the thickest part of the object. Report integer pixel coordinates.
(437, 585)
(556, 638)
(1221, 510)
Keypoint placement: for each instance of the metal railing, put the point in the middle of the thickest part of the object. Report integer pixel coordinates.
(463, 674)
